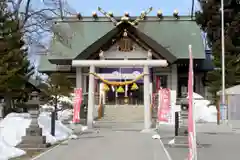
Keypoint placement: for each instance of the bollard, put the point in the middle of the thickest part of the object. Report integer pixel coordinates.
(53, 119)
(176, 123)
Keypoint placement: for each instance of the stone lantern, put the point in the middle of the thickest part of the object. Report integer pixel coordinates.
(34, 138)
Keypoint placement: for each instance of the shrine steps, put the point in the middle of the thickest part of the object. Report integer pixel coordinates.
(123, 117)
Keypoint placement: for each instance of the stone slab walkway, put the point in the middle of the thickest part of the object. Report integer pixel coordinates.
(109, 145)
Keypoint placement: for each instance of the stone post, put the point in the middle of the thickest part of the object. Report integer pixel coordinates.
(182, 137)
(34, 138)
(91, 98)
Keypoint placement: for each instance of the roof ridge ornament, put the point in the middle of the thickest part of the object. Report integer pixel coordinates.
(141, 17)
(109, 16)
(126, 18)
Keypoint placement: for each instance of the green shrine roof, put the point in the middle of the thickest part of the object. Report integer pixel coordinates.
(173, 35)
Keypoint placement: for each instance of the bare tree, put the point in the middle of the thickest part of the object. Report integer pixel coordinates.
(38, 22)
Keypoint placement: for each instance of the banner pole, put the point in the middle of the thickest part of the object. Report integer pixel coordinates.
(191, 108)
(223, 97)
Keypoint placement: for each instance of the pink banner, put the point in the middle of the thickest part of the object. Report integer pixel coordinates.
(77, 104)
(191, 128)
(164, 108)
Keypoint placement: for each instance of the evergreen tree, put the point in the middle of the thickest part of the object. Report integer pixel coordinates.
(209, 19)
(15, 68)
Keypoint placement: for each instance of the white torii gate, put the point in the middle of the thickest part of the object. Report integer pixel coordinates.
(120, 63)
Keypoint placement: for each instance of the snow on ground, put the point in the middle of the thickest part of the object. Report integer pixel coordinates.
(65, 114)
(7, 151)
(13, 127)
(62, 99)
(204, 112)
(66, 99)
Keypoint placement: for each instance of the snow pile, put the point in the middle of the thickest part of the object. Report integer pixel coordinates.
(12, 133)
(66, 114)
(209, 114)
(47, 106)
(7, 151)
(61, 101)
(204, 112)
(66, 99)
(14, 125)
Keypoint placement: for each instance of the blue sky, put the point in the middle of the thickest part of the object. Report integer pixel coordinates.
(134, 7)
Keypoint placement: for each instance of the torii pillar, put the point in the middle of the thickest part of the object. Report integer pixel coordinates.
(147, 101)
(146, 91)
(91, 98)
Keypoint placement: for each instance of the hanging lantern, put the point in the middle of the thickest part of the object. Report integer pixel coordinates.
(120, 89)
(106, 88)
(134, 86)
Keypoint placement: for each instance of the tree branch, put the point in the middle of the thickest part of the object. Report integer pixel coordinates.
(35, 24)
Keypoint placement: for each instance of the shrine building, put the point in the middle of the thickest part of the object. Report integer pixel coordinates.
(128, 38)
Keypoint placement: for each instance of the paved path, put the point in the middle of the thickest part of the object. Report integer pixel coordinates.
(219, 143)
(109, 145)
